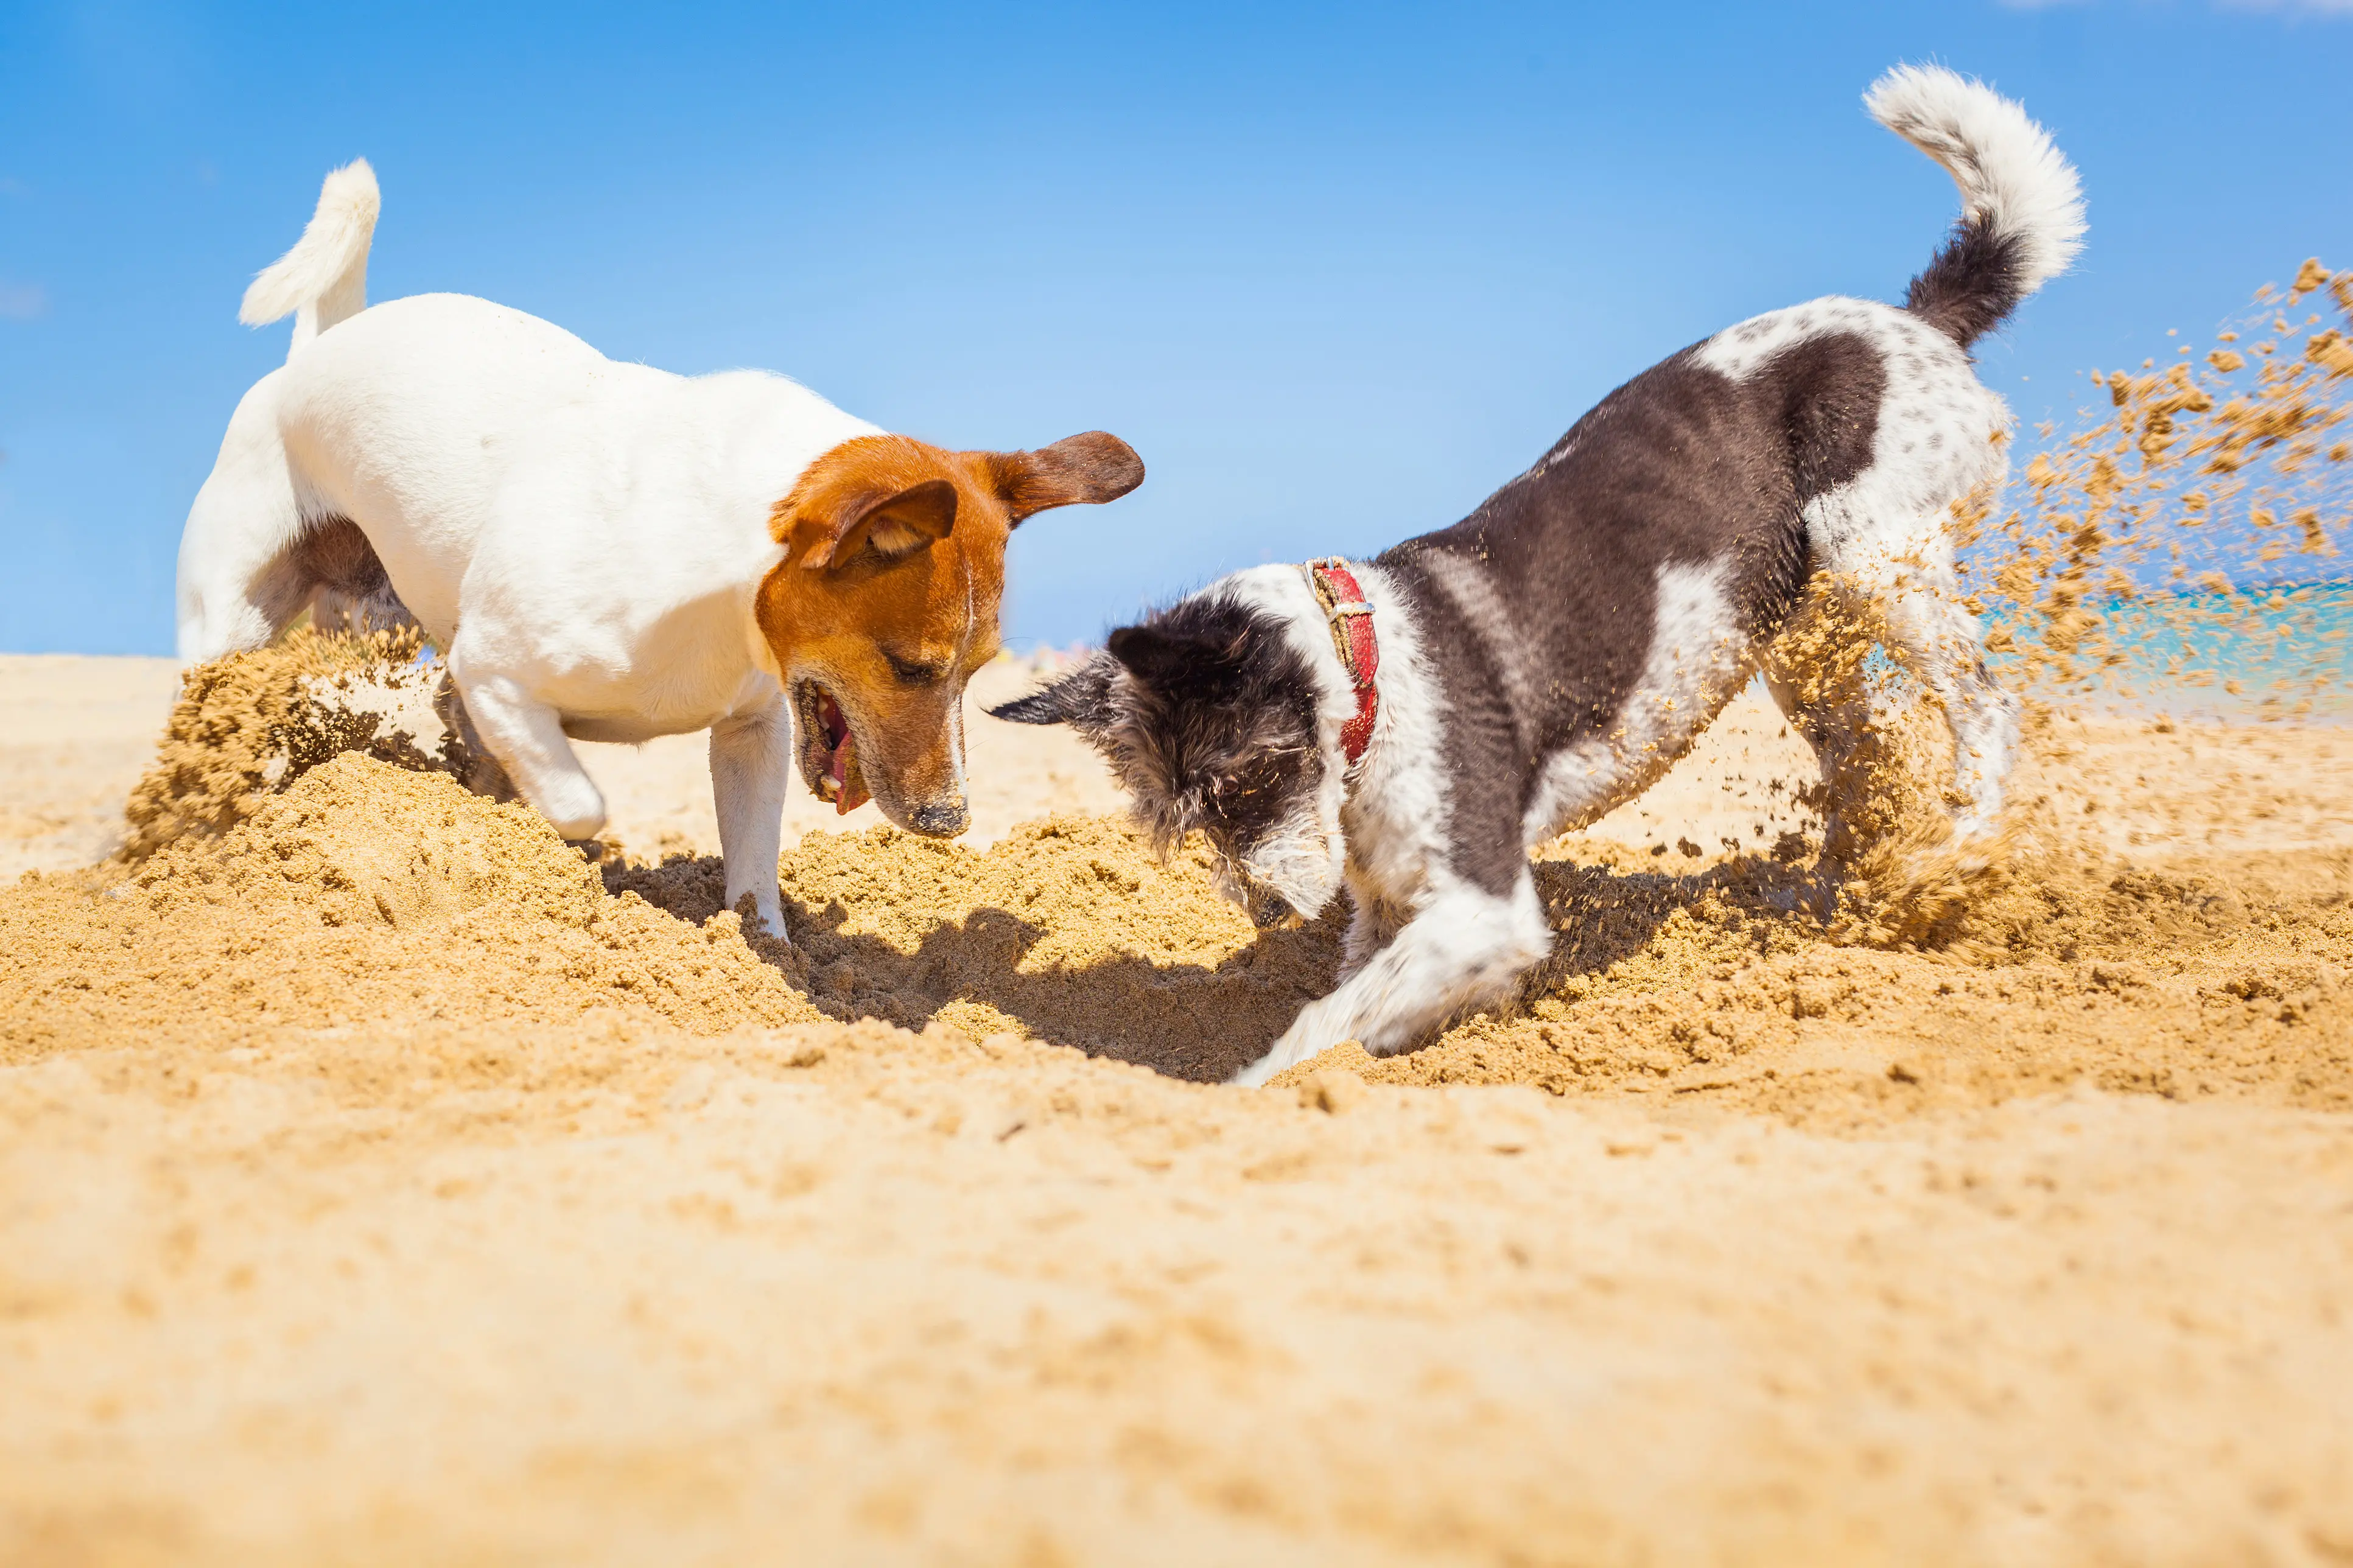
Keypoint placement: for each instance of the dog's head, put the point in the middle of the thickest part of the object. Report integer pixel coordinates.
(1209, 714)
(887, 601)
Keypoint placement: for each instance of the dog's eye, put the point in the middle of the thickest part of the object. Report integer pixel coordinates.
(914, 672)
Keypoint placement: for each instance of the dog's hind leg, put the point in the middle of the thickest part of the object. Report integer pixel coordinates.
(1941, 645)
(260, 548)
(1815, 671)
(1908, 601)
(239, 579)
(527, 738)
(1465, 947)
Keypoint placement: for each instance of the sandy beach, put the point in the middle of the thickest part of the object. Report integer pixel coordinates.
(381, 1182)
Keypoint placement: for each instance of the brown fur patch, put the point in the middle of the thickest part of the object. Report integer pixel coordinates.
(891, 583)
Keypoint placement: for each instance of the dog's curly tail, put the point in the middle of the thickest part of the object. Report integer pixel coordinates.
(323, 279)
(2021, 205)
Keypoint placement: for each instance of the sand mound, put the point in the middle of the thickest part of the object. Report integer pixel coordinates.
(362, 895)
(1706, 987)
(251, 724)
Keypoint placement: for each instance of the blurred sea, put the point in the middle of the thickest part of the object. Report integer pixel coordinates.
(2281, 652)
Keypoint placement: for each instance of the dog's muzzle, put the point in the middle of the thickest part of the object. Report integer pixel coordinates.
(940, 819)
(1271, 912)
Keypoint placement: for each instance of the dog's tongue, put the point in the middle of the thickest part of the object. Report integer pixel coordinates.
(848, 794)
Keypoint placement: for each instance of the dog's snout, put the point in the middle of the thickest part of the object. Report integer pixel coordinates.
(1272, 911)
(940, 818)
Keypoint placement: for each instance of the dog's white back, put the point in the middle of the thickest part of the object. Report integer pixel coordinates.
(590, 515)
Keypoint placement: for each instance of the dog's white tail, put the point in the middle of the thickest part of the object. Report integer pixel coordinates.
(323, 279)
(2021, 204)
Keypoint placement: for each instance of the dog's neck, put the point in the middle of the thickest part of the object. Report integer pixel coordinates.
(1355, 642)
(1287, 594)
(1392, 809)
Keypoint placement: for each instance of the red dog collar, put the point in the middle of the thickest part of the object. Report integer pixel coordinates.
(1351, 618)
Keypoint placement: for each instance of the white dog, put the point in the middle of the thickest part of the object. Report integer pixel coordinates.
(613, 553)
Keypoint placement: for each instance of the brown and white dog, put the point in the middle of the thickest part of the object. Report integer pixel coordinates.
(612, 553)
(1412, 725)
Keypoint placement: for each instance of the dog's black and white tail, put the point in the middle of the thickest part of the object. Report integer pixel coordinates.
(2022, 206)
(324, 280)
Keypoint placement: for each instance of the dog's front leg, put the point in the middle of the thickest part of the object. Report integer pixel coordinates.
(1372, 922)
(1364, 932)
(750, 755)
(1462, 946)
(527, 737)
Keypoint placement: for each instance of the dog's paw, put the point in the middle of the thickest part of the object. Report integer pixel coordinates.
(763, 918)
(1295, 1047)
(1975, 827)
(579, 826)
(1255, 1075)
(571, 805)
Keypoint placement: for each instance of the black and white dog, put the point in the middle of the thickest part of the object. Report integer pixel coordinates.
(1415, 724)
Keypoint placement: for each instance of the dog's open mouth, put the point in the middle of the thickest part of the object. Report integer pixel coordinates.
(828, 750)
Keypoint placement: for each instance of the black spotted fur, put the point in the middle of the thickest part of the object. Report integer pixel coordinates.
(1678, 466)
(1206, 711)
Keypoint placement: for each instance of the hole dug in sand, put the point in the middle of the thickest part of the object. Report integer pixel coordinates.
(1069, 930)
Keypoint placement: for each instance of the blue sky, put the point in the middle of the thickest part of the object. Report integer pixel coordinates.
(1336, 272)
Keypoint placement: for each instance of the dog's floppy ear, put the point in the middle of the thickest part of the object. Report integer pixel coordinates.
(890, 526)
(1081, 699)
(1153, 655)
(1060, 703)
(1081, 470)
(1087, 697)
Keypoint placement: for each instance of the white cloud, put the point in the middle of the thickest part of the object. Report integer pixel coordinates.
(23, 302)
